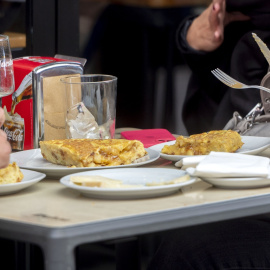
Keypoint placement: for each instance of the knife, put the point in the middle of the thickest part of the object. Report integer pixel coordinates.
(263, 47)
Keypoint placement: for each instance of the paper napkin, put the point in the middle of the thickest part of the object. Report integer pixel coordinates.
(220, 164)
(187, 162)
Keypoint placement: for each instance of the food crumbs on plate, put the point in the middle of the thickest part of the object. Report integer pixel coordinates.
(99, 181)
(105, 182)
(170, 182)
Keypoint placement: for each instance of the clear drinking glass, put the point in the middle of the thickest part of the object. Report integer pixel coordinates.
(91, 106)
(6, 68)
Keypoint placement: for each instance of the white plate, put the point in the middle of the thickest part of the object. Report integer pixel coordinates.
(30, 178)
(252, 146)
(138, 176)
(33, 160)
(237, 182)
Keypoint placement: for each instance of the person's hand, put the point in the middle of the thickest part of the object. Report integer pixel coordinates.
(206, 32)
(5, 148)
(2, 117)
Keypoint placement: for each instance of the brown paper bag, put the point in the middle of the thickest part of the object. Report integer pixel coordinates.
(55, 107)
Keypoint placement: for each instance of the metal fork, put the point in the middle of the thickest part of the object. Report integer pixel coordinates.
(226, 79)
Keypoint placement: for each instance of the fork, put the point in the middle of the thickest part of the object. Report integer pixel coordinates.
(226, 79)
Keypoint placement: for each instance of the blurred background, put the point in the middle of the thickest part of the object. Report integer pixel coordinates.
(131, 39)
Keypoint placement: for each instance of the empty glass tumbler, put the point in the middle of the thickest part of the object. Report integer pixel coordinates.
(91, 106)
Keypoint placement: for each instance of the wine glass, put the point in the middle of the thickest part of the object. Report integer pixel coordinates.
(7, 86)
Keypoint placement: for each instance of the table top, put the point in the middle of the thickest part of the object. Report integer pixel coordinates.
(52, 205)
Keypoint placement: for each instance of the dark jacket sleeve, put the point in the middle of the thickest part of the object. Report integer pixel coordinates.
(209, 104)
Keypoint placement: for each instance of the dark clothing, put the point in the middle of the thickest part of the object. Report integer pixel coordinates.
(234, 244)
(230, 245)
(209, 103)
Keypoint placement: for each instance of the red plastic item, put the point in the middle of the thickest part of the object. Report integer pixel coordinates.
(148, 137)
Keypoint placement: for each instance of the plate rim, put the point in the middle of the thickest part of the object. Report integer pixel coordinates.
(232, 183)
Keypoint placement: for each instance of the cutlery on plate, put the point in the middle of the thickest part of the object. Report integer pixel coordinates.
(228, 80)
(264, 49)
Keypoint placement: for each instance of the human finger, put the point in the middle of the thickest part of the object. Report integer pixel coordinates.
(216, 18)
(3, 135)
(2, 116)
(5, 150)
(217, 12)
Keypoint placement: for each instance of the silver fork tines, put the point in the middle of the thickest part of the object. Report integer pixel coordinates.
(231, 82)
(226, 79)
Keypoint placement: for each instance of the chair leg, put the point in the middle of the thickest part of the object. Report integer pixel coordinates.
(128, 254)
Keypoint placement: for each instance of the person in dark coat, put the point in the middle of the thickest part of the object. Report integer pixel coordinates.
(237, 243)
(221, 37)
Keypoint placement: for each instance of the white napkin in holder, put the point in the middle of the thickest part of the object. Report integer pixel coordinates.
(220, 164)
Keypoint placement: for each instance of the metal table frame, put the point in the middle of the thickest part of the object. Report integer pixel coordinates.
(58, 243)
